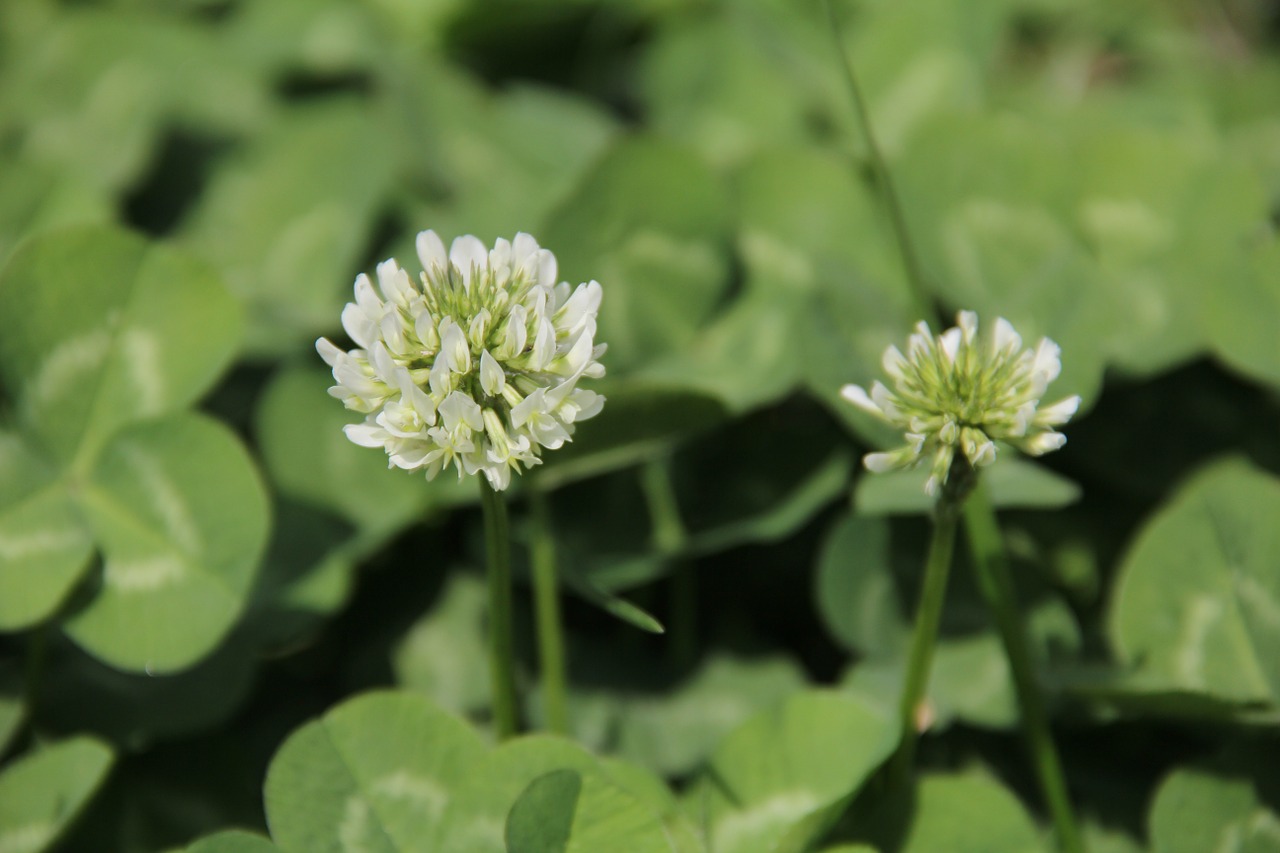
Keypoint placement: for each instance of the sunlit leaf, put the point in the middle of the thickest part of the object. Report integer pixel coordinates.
(44, 545)
(40, 793)
(779, 780)
(1196, 810)
(675, 731)
(379, 771)
(969, 814)
(563, 812)
(310, 459)
(288, 244)
(661, 256)
(1197, 602)
(181, 517)
(113, 330)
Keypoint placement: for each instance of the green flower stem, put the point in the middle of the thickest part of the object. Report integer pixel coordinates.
(980, 520)
(669, 539)
(546, 598)
(497, 536)
(997, 588)
(884, 180)
(928, 616)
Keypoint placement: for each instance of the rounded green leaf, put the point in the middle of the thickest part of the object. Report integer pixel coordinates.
(779, 780)
(567, 811)
(289, 244)
(42, 792)
(651, 224)
(44, 544)
(541, 820)
(674, 732)
(1197, 601)
(377, 772)
(969, 814)
(854, 589)
(1196, 810)
(107, 329)
(1241, 318)
(180, 514)
(299, 428)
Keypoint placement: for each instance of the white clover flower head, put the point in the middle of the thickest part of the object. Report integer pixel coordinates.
(475, 365)
(961, 393)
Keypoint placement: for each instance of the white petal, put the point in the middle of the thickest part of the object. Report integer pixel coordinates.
(880, 462)
(499, 476)
(394, 282)
(1004, 338)
(521, 413)
(414, 396)
(894, 363)
(458, 409)
(885, 401)
(453, 347)
(858, 397)
(589, 404)
(1043, 443)
(479, 328)
(968, 323)
(513, 343)
(359, 326)
(1047, 364)
(544, 346)
(523, 250)
(368, 301)
(500, 256)
(367, 434)
(1059, 413)
(384, 366)
(492, 379)
(467, 254)
(391, 330)
(547, 268)
(431, 251)
(950, 343)
(583, 304)
(579, 353)
(424, 326)
(329, 352)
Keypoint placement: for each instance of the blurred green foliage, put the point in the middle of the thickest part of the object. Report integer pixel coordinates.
(199, 573)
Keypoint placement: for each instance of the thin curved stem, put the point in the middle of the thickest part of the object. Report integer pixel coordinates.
(546, 596)
(933, 593)
(979, 516)
(669, 538)
(996, 584)
(884, 180)
(497, 534)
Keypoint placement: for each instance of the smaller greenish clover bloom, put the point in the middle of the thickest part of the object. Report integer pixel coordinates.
(475, 365)
(961, 393)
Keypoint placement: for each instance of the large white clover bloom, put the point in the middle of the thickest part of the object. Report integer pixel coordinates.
(476, 364)
(958, 392)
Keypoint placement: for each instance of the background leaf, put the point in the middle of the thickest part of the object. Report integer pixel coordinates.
(42, 792)
(114, 330)
(1196, 602)
(181, 516)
